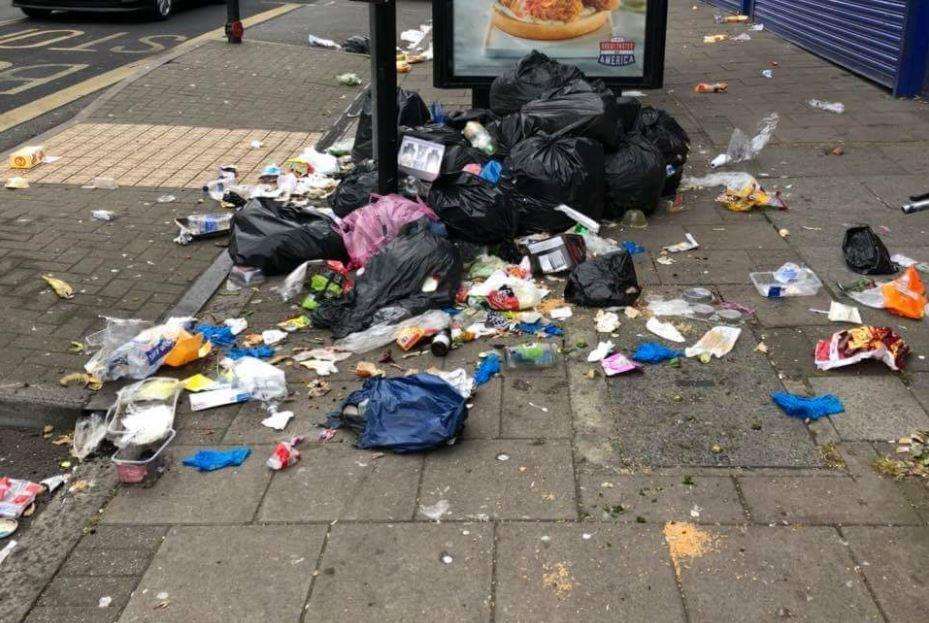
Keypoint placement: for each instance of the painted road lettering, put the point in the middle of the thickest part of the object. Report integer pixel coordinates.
(31, 76)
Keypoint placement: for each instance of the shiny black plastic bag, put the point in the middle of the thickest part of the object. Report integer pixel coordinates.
(533, 75)
(460, 118)
(635, 177)
(605, 281)
(391, 286)
(865, 252)
(544, 171)
(353, 192)
(472, 209)
(667, 135)
(436, 133)
(277, 239)
(579, 108)
(508, 131)
(411, 112)
(629, 108)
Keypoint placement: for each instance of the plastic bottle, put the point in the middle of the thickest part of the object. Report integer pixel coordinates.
(208, 223)
(441, 343)
(479, 137)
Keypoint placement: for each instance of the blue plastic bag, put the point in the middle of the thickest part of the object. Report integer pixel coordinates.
(486, 369)
(491, 171)
(653, 352)
(632, 247)
(807, 407)
(210, 460)
(403, 414)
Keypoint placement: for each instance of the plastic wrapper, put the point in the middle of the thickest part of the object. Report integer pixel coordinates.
(605, 281)
(904, 296)
(143, 412)
(89, 431)
(533, 75)
(865, 252)
(617, 363)
(716, 342)
(544, 172)
(742, 148)
(394, 278)
(405, 414)
(865, 342)
(472, 209)
(531, 355)
(277, 239)
(411, 112)
(16, 496)
(139, 356)
(260, 379)
(367, 230)
(579, 108)
(670, 138)
(285, 454)
(635, 177)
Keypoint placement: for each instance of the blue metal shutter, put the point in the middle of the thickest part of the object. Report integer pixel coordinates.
(734, 6)
(865, 36)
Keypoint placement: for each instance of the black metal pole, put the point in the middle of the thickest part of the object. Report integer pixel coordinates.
(383, 23)
(233, 22)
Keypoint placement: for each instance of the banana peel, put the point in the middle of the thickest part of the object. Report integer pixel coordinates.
(62, 288)
(88, 380)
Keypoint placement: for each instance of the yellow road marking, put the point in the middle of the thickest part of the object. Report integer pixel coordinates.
(67, 95)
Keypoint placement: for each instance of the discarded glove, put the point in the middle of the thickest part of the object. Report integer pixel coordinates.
(211, 460)
(219, 335)
(261, 352)
(807, 407)
(653, 352)
(486, 369)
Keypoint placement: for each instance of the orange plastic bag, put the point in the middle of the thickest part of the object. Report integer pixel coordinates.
(905, 296)
(189, 347)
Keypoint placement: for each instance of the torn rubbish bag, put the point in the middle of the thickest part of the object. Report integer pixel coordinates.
(353, 192)
(544, 172)
(404, 414)
(366, 230)
(668, 136)
(533, 75)
(579, 108)
(472, 209)
(635, 176)
(604, 281)
(865, 252)
(391, 287)
(411, 112)
(277, 239)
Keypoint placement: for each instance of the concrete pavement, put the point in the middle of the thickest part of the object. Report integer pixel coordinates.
(773, 519)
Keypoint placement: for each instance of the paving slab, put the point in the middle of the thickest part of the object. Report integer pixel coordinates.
(877, 408)
(333, 482)
(102, 562)
(583, 572)
(841, 501)
(779, 312)
(185, 496)
(484, 415)
(396, 572)
(85, 592)
(719, 266)
(536, 408)
(772, 574)
(219, 574)
(607, 496)
(893, 561)
(535, 481)
(72, 615)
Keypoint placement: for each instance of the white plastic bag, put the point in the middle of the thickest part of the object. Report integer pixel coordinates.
(260, 379)
(382, 334)
(323, 164)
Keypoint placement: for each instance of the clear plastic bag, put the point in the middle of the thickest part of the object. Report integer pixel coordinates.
(139, 356)
(382, 334)
(742, 148)
(260, 379)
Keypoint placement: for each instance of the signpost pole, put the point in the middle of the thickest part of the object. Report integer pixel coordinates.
(234, 27)
(383, 24)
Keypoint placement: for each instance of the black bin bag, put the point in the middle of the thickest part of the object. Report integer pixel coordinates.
(544, 172)
(635, 176)
(353, 192)
(411, 112)
(508, 131)
(667, 135)
(579, 108)
(277, 239)
(457, 156)
(865, 252)
(472, 209)
(629, 108)
(459, 119)
(533, 75)
(391, 287)
(605, 281)
(436, 133)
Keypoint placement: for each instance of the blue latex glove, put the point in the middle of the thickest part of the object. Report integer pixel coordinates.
(653, 352)
(211, 460)
(807, 407)
(486, 369)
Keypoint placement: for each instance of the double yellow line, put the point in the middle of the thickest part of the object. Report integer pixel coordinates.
(16, 116)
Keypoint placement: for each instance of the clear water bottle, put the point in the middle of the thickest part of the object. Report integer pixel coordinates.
(479, 137)
(208, 223)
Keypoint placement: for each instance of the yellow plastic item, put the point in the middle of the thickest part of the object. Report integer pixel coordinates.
(198, 383)
(906, 295)
(27, 157)
(188, 348)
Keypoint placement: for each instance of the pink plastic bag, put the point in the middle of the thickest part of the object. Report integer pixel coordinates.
(366, 230)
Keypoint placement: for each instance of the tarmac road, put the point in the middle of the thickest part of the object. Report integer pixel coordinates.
(40, 58)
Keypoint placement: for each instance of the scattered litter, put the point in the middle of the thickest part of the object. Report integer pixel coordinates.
(715, 38)
(761, 347)
(435, 511)
(348, 79)
(865, 252)
(617, 364)
(446, 558)
(104, 602)
(836, 107)
(807, 407)
(865, 342)
(7, 550)
(767, 73)
(788, 280)
(664, 330)
(28, 157)
(664, 260)
(319, 42)
(531, 355)
(285, 454)
(318, 388)
(53, 482)
(607, 322)
(8, 527)
(166, 199)
(741, 148)
(904, 296)
(17, 183)
(711, 87)
(688, 245)
(103, 215)
(16, 496)
(62, 289)
(256, 144)
(840, 312)
(741, 38)
(366, 369)
(102, 183)
(210, 460)
(717, 342)
(487, 367)
(653, 352)
(560, 313)
(602, 350)
(278, 420)
(89, 431)
(685, 540)
(273, 336)
(503, 457)
(605, 281)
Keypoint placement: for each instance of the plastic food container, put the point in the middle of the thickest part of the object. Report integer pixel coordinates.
(534, 355)
(135, 464)
(806, 283)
